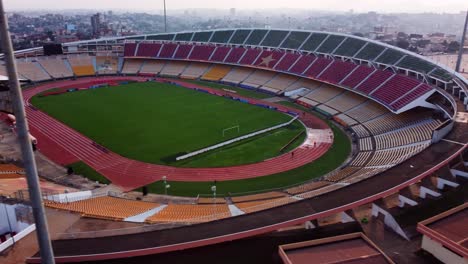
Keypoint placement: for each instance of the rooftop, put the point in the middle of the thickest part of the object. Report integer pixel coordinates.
(449, 228)
(350, 248)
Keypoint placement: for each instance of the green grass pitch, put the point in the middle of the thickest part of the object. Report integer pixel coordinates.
(155, 122)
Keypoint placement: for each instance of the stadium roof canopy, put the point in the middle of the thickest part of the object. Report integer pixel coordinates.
(317, 42)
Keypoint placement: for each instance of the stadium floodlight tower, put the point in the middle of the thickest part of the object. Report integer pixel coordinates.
(45, 247)
(462, 44)
(165, 17)
(166, 186)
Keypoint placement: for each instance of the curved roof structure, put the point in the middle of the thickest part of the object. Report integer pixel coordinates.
(317, 42)
(373, 57)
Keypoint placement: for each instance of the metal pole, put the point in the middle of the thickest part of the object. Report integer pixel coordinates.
(9, 223)
(45, 246)
(462, 44)
(165, 18)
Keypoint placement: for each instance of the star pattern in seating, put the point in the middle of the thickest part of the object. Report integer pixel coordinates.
(267, 60)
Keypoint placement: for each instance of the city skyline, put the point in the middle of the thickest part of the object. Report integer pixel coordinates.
(386, 6)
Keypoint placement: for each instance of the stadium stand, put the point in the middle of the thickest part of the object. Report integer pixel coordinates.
(105, 207)
(391, 121)
(250, 56)
(339, 175)
(195, 70)
(324, 93)
(174, 68)
(287, 61)
(304, 83)
(302, 64)
(345, 101)
(366, 111)
(201, 52)
(345, 120)
(411, 96)
(259, 205)
(182, 51)
(8, 168)
(190, 213)
(82, 65)
(385, 139)
(152, 66)
(129, 49)
(237, 75)
(304, 101)
(132, 66)
(365, 144)
(268, 59)
(408, 135)
(395, 88)
(32, 70)
(357, 76)
(148, 49)
(55, 66)
(259, 78)
(325, 109)
(337, 71)
(374, 81)
(361, 158)
(307, 187)
(318, 67)
(107, 64)
(234, 55)
(220, 54)
(216, 73)
(360, 131)
(167, 50)
(279, 83)
(394, 156)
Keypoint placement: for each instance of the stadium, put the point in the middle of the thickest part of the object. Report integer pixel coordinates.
(242, 133)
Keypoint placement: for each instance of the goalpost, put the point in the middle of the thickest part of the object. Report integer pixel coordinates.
(231, 128)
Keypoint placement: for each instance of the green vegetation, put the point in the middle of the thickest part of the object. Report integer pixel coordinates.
(328, 162)
(81, 168)
(154, 122)
(130, 118)
(239, 91)
(251, 150)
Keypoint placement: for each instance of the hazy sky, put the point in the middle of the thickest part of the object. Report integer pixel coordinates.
(334, 5)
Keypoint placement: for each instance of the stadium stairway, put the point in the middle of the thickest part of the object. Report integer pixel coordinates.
(140, 218)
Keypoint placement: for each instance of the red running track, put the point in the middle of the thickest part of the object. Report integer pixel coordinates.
(64, 145)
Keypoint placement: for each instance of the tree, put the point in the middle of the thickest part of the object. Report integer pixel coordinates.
(453, 46)
(402, 43)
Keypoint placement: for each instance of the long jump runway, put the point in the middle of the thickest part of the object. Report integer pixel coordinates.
(64, 145)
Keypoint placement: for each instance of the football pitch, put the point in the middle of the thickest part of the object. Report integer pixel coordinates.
(156, 122)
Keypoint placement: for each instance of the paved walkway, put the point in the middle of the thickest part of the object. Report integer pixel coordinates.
(140, 218)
